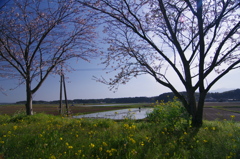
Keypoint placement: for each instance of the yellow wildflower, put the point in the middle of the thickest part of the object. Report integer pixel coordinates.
(15, 127)
(52, 157)
(92, 145)
(133, 126)
(104, 144)
(134, 151)
(132, 140)
(109, 152)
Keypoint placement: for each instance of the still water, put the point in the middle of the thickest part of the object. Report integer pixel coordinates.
(133, 113)
(105, 105)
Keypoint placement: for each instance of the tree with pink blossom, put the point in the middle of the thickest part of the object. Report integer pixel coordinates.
(37, 37)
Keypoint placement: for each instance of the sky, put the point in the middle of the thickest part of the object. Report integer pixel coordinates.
(80, 85)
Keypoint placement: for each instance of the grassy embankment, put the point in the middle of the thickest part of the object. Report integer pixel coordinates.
(164, 135)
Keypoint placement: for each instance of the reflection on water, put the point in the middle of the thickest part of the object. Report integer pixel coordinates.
(133, 113)
(105, 105)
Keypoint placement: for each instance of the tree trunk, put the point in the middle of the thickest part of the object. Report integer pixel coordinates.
(197, 115)
(191, 101)
(29, 109)
(197, 119)
(196, 110)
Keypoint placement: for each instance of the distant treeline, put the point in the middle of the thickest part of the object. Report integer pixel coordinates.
(233, 95)
(228, 96)
(94, 101)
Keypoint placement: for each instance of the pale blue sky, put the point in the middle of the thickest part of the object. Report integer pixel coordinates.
(80, 85)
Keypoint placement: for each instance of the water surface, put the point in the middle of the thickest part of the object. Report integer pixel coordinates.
(133, 113)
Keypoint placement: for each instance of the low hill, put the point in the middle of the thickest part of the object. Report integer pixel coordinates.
(228, 96)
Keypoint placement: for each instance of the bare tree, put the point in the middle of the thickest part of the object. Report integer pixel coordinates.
(192, 39)
(37, 37)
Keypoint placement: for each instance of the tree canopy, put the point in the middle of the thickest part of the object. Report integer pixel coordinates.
(194, 40)
(37, 37)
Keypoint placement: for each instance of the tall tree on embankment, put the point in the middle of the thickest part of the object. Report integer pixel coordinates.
(194, 42)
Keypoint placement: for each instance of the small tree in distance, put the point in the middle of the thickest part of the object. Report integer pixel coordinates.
(194, 40)
(37, 37)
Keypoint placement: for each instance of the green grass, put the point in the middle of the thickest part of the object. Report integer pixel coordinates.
(50, 137)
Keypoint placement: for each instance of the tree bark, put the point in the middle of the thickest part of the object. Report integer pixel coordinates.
(195, 109)
(197, 119)
(29, 109)
(196, 113)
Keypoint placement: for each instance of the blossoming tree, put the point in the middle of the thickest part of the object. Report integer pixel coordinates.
(38, 36)
(193, 41)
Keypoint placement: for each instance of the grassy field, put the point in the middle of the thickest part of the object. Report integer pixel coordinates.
(165, 135)
(46, 136)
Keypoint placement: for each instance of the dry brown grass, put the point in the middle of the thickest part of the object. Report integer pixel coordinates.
(53, 109)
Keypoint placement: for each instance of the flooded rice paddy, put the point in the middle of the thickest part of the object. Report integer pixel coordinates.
(133, 113)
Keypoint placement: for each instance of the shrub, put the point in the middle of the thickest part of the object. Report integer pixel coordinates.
(18, 116)
(4, 119)
(171, 114)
